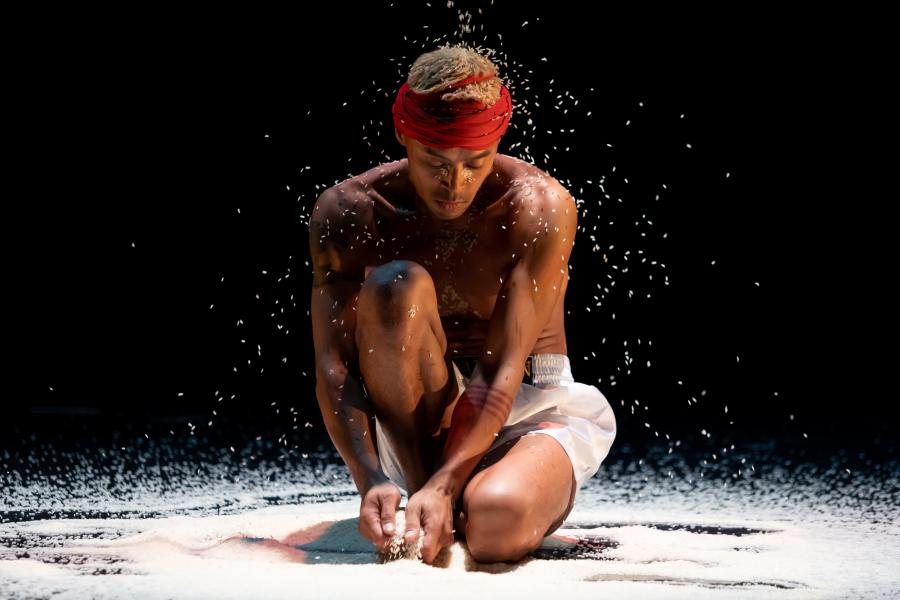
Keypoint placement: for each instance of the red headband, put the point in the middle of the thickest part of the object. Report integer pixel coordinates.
(467, 124)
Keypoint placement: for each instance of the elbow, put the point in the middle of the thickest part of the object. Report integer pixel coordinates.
(333, 373)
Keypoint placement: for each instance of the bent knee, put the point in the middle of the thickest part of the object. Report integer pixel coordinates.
(493, 498)
(501, 548)
(396, 271)
(497, 525)
(390, 290)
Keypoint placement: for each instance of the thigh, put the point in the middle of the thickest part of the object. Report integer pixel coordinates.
(401, 342)
(538, 471)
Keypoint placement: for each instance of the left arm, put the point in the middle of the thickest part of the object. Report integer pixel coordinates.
(543, 238)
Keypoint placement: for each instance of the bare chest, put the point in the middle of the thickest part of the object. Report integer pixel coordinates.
(467, 265)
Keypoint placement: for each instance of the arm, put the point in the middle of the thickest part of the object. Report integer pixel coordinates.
(536, 281)
(336, 284)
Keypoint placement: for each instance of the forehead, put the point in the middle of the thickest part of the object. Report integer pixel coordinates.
(457, 153)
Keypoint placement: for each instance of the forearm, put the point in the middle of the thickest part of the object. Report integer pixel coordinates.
(346, 414)
(480, 413)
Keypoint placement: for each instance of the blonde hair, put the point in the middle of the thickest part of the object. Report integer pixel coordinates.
(437, 70)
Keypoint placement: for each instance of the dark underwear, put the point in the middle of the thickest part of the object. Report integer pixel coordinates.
(466, 365)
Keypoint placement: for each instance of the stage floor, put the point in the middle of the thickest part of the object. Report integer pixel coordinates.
(163, 520)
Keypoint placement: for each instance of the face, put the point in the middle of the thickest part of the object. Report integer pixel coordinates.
(447, 179)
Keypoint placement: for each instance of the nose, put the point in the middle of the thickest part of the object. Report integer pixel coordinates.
(458, 178)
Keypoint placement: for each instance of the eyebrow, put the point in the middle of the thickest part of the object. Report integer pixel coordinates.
(433, 153)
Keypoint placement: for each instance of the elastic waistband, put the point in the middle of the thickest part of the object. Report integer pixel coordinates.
(540, 369)
(550, 369)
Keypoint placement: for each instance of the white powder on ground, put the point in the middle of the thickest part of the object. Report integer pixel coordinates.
(315, 551)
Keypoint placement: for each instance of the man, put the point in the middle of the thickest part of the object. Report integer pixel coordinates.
(437, 313)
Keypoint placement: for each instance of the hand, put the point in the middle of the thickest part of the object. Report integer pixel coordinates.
(432, 510)
(376, 514)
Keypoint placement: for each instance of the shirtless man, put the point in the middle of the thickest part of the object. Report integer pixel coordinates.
(455, 251)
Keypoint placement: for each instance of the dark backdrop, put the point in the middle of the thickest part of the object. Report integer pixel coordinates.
(160, 266)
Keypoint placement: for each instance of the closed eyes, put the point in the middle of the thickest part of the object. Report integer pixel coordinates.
(446, 166)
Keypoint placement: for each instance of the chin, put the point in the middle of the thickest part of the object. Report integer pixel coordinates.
(448, 211)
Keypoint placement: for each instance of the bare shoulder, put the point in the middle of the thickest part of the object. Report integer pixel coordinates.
(346, 211)
(343, 204)
(339, 231)
(540, 205)
(357, 200)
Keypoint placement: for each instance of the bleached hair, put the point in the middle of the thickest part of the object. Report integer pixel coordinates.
(441, 68)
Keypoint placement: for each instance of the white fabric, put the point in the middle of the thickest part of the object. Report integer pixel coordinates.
(576, 415)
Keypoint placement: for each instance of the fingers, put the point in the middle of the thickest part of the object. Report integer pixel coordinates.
(370, 524)
(431, 544)
(388, 514)
(437, 525)
(379, 508)
(413, 521)
(418, 519)
(428, 517)
(438, 534)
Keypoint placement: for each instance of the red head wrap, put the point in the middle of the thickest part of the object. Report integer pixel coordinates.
(460, 124)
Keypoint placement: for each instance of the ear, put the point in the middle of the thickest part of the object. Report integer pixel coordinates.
(400, 137)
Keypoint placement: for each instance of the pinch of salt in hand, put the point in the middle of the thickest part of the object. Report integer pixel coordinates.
(399, 547)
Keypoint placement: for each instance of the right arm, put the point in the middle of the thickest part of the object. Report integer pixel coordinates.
(337, 279)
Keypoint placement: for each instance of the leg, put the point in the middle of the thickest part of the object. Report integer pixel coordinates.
(520, 493)
(402, 358)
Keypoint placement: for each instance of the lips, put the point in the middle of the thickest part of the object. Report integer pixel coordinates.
(449, 205)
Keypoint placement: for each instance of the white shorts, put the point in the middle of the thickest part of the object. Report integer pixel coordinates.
(576, 415)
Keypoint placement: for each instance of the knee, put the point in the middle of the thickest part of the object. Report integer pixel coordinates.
(391, 289)
(497, 526)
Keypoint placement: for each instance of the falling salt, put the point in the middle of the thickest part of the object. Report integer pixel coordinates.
(398, 547)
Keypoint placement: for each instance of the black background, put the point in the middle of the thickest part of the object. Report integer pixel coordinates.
(157, 131)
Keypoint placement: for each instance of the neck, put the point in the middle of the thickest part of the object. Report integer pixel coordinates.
(430, 224)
